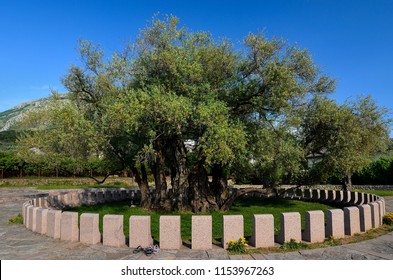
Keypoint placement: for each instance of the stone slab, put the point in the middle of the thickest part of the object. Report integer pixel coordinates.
(365, 217)
(170, 232)
(201, 232)
(89, 229)
(263, 231)
(113, 233)
(351, 220)
(69, 230)
(290, 227)
(42, 217)
(233, 229)
(140, 231)
(315, 226)
(335, 223)
(53, 224)
(375, 221)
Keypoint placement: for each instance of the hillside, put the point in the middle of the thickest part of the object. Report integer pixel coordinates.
(11, 119)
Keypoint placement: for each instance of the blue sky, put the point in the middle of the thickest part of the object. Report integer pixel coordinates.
(351, 40)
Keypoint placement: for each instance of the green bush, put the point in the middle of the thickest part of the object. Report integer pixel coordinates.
(388, 219)
(18, 219)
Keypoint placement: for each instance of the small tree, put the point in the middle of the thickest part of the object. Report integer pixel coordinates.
(346, 137)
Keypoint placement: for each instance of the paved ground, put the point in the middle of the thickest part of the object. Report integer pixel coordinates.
(16, 242)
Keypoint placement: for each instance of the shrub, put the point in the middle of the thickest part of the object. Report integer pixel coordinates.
(237, 246)
(293, 245)
(16, 220)
(388, 219)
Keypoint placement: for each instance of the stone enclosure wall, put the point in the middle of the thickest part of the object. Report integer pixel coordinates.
(360, 212)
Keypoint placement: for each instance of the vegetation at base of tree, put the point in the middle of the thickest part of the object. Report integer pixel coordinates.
(245, 206)
(184, 105)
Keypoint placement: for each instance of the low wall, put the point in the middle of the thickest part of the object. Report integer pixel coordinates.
(360, 213)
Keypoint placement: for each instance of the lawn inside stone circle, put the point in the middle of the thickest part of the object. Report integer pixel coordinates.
(245, 206)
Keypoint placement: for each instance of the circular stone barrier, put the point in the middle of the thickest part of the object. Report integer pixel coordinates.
(48, 216)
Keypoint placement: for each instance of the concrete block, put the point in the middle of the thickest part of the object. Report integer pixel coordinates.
(29, 216)
(365, 217)
(331, 196)
(335, 223)
(347, 197)
(170, 232)
(113, 233)
(290, 227)
(381, 210)
(323, 195)
(339, 197)
(351, 220)
(53, 223)
(42, 217)
(24, 212)
(375, 220)
(354, 198)
(315, 226)
(263, 231)
(140, 231)
(233, 229)
(307, 194)
(361, 198)
(316, 195)
(69, 230)
(201, 232)
(89, 229)
(33, 218)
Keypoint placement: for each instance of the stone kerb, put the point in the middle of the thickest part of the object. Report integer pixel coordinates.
(69, 230)
(113, 233)
(201, 232)
(64, 225)
(233, 229)
(315, 226)
(170, 233)
(351, 220)
(290, 227)
(263, 231)
(89, 229)
(140, 231)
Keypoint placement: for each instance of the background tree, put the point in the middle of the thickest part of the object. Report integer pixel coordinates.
(345, 137)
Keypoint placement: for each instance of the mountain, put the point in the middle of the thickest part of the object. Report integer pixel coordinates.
(10, 119)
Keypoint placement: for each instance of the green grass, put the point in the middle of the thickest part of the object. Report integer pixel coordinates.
(244, 206)
(377, 192)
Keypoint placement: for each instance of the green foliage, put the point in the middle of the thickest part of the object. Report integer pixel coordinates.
(388, 219)
(18, 219)
(342, 139)
(237, 246)
(378, 172)
(293, 245)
